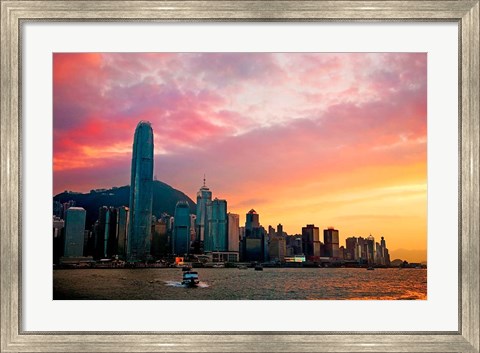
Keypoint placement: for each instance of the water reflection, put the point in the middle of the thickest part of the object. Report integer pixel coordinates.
(219, 284)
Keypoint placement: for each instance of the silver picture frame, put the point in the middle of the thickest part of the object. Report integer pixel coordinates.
(15, 339)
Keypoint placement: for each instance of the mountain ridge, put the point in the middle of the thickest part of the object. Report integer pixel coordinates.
(165, 197)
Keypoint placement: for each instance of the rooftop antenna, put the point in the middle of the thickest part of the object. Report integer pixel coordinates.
(204, 180)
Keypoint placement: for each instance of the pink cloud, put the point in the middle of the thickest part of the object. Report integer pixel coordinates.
(348, 110)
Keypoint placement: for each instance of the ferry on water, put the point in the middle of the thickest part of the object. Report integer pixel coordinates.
(190, 279)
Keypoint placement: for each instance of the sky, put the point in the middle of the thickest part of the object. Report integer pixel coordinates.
(331, 139)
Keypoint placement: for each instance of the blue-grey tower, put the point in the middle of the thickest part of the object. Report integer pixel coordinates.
(181, 228)
(74, 231)
(216, 237)
(139, 229)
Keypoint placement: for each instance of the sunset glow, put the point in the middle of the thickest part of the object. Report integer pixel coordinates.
(331, 139)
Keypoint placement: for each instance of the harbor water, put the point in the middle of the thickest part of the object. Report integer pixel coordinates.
(236, 284)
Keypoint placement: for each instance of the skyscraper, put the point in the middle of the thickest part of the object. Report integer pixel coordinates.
(181, 228)
(139, 229)
(311, 241)
(74, 231)
(111, 232)
(255, 247)
(279, 230)
(253, 220)
(370, 247)
(99, 230)
(204, 199)
(330, 238)
(277, 249)
(160, 239)
(352, 249)
(122, 227)
(58, 238)
(233, 232)
(216, 237)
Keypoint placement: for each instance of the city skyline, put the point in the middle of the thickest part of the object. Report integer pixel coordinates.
(339, 140)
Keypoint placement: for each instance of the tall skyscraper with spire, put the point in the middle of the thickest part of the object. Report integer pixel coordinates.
(139, 230)
(204, 200)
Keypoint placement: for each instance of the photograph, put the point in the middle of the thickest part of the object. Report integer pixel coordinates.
(239, 176)
(244, 176)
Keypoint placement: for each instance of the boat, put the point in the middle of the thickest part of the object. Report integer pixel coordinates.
(186, 268)
(242, 267)
(370, 268)
(190, 279)
(258, 268)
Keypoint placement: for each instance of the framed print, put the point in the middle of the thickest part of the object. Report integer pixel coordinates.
(73, 74)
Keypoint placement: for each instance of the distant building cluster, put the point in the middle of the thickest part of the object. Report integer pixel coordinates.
(134, 234)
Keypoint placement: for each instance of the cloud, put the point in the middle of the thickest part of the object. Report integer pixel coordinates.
(246, 118)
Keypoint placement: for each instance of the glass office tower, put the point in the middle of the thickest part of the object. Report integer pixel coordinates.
(139, 230)
(216, 237)
(74, 231)
(181, 228)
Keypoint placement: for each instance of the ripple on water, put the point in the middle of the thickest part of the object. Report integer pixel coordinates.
(177, 284)
(226, 284)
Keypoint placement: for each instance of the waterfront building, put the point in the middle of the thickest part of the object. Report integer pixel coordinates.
(295, 258)
(216, 235)
(271, 232)
(255, 246)
(252, 220)
(181, 228)
(371, 250)
(379, 259)
(351, 248)
(159, 239)
(106, 233)
(233, 221)
(280, 230)
(366, 250)
(242, 250)
(386, 255)
(362, 250)
(122, 229)
(141, 184)
(58, 238)
(204, 200)
(277, 248)
(311, 241)
(331, 242)
(74, 231)
(383, 258)
(111, 239)
(99, 230)
(193, 234)
(224, 256)
(89, 245)
(294, 245)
